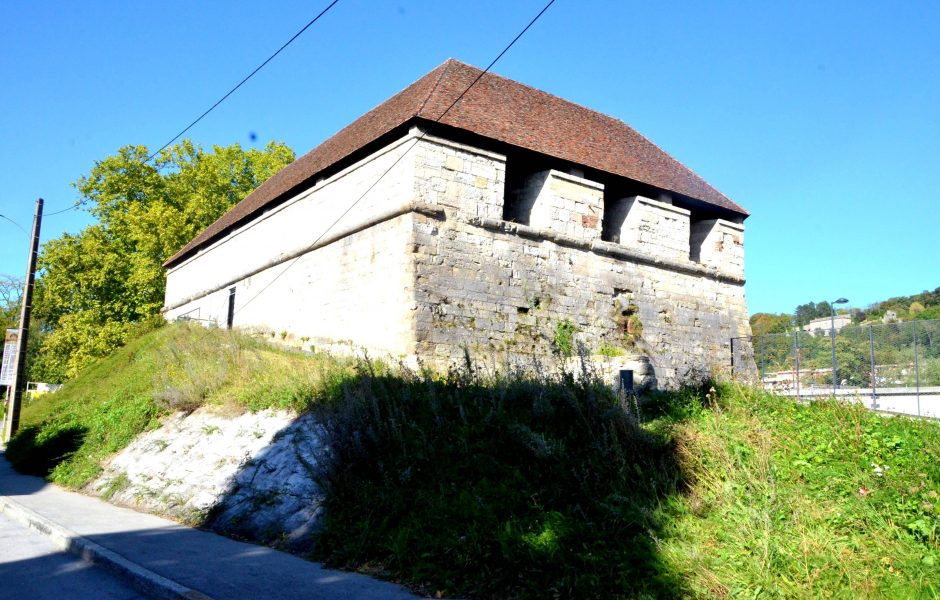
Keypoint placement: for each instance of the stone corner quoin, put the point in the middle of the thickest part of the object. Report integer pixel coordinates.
(430, 239)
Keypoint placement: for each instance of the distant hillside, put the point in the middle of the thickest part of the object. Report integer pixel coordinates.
(925, 305)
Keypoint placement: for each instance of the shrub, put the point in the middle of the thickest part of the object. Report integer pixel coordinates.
(563, 340)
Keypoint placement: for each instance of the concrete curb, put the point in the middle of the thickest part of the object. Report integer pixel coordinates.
(141, 578)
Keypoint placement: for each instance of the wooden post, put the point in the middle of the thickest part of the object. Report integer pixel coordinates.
(19, 374)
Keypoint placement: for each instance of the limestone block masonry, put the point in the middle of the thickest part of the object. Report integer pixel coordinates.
(720, 244)
(653, 227)
(564, 203)
(424, 265)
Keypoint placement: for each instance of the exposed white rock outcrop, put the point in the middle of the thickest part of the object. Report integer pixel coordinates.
(250, 475)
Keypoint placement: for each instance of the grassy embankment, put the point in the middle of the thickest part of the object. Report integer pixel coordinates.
(65, 436)
(508, 486)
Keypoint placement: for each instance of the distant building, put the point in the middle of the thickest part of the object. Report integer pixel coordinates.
(890, 317)
(822, 325)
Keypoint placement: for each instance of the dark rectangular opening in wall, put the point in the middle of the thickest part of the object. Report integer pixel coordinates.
(626, 380)
(230, 318)
(515, 181)
(614, 215)
(616, 192)
(517, 198)
(696, 238)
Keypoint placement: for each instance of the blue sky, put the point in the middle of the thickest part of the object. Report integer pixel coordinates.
(822, 119)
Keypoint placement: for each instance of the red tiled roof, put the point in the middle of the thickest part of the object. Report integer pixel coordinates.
(497, 108)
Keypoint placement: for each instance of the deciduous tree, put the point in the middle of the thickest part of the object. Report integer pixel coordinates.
(95, 285)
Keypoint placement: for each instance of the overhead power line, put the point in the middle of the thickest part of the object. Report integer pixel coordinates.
(247, 77)
(15, 223)
(59, 212)
(227, 94)
(403, 154)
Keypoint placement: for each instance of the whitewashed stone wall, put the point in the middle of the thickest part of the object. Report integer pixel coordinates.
(308, 275)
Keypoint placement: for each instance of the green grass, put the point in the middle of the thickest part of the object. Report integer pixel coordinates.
(785, 500)
(494, 486)
(521, 486)
(67, 435)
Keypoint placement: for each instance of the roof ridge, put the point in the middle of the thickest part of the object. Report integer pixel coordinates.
(501, 109)
(444, 68)
(507, 80)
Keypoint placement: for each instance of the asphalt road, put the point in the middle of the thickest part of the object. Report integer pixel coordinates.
(32, 568)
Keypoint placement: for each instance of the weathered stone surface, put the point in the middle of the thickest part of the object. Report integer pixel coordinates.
(651, 226)
(251, 475)
(719, 243)
(427, 265)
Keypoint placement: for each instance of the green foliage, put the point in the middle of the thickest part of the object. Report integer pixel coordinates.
(908, 307)
(764, 323)
(37, 450)
(94, 285)
(932, 312)
(494, 486)
(67, 435)
(11, 288)
(811, 310)
(611, 351)
(819, 500)
(563, 340)
(893, 344)
(518, 488)
(925, 305)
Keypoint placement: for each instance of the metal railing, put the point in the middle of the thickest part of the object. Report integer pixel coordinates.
(891, 367)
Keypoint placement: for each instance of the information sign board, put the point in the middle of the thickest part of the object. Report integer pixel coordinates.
(9, 357)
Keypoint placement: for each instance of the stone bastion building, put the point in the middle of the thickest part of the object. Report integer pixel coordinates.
(511, 223)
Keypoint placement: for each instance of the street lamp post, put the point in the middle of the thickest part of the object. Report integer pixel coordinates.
(832, 335)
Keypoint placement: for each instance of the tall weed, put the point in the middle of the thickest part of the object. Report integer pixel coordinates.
(493, 485)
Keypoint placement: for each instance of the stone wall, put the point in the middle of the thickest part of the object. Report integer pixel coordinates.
(503, 290)
(564, 203)
(719, 243)
(424, 265)
(650, 226)
(330, 268)
(251, 475)
(507, 290)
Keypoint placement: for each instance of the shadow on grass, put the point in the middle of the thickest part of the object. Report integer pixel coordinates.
(497, 486)
(473, 485)
(37, 451)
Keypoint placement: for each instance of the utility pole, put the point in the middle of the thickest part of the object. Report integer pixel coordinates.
(19, 374)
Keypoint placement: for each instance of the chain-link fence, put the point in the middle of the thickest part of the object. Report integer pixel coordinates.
(893, 367)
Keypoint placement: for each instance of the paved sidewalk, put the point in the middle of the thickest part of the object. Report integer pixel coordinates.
(32, 566)
(168, 560)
